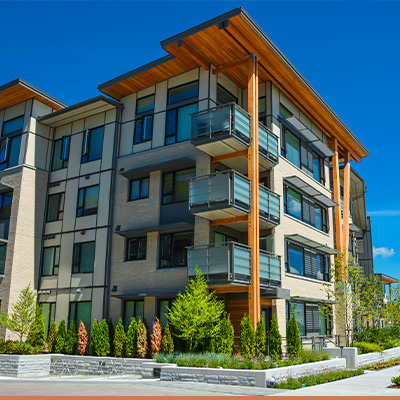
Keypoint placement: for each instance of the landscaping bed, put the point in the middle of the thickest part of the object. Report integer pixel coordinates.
(383, 364)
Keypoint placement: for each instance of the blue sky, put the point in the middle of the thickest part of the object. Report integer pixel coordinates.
(349, 52)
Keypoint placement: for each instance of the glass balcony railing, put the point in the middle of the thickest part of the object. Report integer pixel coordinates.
(269, 205)
(267, 143)
(230, 262)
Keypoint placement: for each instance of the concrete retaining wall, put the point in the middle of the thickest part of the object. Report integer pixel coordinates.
(24, 365)
(371, 358)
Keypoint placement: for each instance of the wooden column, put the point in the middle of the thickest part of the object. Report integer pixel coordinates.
(336, 195)
(253, 168)
(346, 206)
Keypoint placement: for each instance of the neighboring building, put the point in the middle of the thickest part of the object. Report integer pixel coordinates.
(168, 175)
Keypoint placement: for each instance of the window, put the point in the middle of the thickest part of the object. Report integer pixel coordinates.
(267, 243)
(13, 125)
(5, 203)
(81, 311)
(49, 312)
(220, 238)
(61, 153)
(136, 249)
(317, 167)
(292, 203)
(321, 218)
(133, 309)
(292, 148)
(9, 152)
(92, 148)
(51, 261)
(145, 104)
(88, 199)
(143, 129)
(139, 189)
(183, 92)
(163, 310)
(83, 258)
(224, 96)
(173, 252)
(176, 185)
(55, 207)
(3, 252)
(179, 124)
(262, 110)
(295, 259)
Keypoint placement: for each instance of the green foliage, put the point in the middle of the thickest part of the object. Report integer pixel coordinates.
(365, 347)
(131, 339)
(396, 380)
(293, 341)
(23, 313)
(372, 300)
(275, 339)
(142, 346)
(71, 342)
(312, 380)
(119, 339)
(16, 347)
(111, 333)
(309, 356)
(37, 331)
(383, 364)
(94, 337)
(51, 338)
(385, 337)
(59, 345)
(195, 313)
(246, 337)
(167, 344)
(260, 345)
(223, 339)
(102, 346)
(165, 357)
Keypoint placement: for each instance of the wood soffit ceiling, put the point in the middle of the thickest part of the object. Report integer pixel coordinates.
(231, 42)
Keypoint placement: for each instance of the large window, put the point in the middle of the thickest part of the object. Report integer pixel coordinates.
(49, 313)
(9, 152)
(92, 148)
(295, 259)
(133, 309)
(139, 189)
(224, 96)
(55, 207)
(61, 153)
(5, 204)
(88, 199)
(51, 260)
(173, 252)
(221, 238)
(163, 306)
(136, 249)
(83, 257)
(144, 119)
(81, 311)
(292, 148)
(13, 125)
(293, 203)
(176, 185)
(3, 252)
(183, 92)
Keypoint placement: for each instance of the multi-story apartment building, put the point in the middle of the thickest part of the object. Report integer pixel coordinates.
(217, 155)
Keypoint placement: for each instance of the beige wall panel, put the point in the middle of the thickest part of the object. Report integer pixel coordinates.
(18, 110)
(94, 121)
(75, 155)
(186, 77)
(138, 148)
(53, 227)
(62, 305)
(39, 129)
(159, 130)
(103, 210)
(39, 109)
(91, 180)
(59, 175)
(71, 198)
(48, 282)
(22, 149)
(86, 222)
(100, 257)
(58, 189)
(150, 309)
(56, 241)
(146, 92)
(90, 167)
(88, 236)
(48, 298)
(115, 311)
(97, 304)
(108, 147)
(111, 115)
(64, 130)
(85, 295)
(65, 269)
(161, 96)
(213, 86)
(203, 84)
(81, 280)
(203, 105)
(126, 138)
(36, 151)
(129, 110)
(78, 126)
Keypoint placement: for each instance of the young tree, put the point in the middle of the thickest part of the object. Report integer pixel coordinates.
(275, 339)
(82, 339)
(195, 313)
(22, 315)
(71, 341)
(51, 338)
(37, 332)
(372, 300)
(167, 344)
(102, 346)
(59, 346)
(223, 339)
(293, 341)
(260, 339)
(131, 339)
(156, 337)
(393, 308)
(111, 333)
(94, 337)
(246, 337)
(119, 339)
(141, 340)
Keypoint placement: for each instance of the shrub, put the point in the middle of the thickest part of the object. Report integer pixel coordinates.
(16, 347)
(82, 339)
(223, 339)
(309, 356)
(396, 380)
(59, 346)
(293, 341)
(37, 332)
(165, 357)
(156, 338)
(51, 338)
(383, 364)
(94, 337)
(131, 339)
(260, 339)
(111, 333)
(71, 341)
(102, 346)
(365, 347)
(119, 339)
(141, 340)
(167, 344)
(246, 337)
(275, 339)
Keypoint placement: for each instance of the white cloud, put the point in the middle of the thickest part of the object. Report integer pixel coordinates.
(384, 252)
(385, 213)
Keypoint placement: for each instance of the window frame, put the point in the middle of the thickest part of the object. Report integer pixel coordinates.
(65, 147)
(84, 202)
(77, 264)
(140, 188)
(48, 317)
(16, 132)
(135, 302)
(60, 212)
(172, 250)
(229, 93)
(172, 193)
(187, 100)
(85, 158)
(2, 195)
(75, 305)
(55, 265)
(127, 252)
(176, 111)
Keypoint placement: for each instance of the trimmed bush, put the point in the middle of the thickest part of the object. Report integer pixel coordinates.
(102, 346)
(37, 331)
(383, 364)
(111, 333)
(82, 339)
(293, 341)
(51, 338)
(156, 338)
(364, 347)
(59, 346)
(275, 339)
(131, 339)
(71, 341)
(246, 337)
(119, 339)
(16, 347)
(396, 380)
(223, 340)
(94, 337)
(167, 344)
(260, 339)
(141, 340)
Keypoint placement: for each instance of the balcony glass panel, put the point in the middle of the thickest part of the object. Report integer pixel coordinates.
(269, 204)
(270, 267)
(267, 142)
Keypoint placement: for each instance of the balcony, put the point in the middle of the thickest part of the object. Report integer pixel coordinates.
(270, 208)
(223, 130)
(230, 263)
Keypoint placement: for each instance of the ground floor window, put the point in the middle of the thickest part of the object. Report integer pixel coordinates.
(133, 309)
(81, 311)
(49, 312)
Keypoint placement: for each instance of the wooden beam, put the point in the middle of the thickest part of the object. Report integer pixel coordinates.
(346, 205)
(195, 54)
(230, 289)
(229, 156)
(229, 66)
(232, 220)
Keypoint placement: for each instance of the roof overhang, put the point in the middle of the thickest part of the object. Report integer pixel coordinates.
(310, 191)
(135, 232)
(81, 110)
(140, 293)
(311, 300)
(386, 278)
(17, 91)
(312, 244)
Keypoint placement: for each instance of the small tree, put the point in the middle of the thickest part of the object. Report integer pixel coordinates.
(119, 339)
(111, 333)
(195, 313)
(372, 300)
(141, 340)
(71, 341)
(131, 339)
(22, 315)
(37, 332)
(260, 339)
(94, 337)
(59, 346)
(156, 337)
(246, 337)
(275, 339)
(223, 340)
(82, 339)
(51, 338)
(102, 346)
(167, 344)
(293, 341)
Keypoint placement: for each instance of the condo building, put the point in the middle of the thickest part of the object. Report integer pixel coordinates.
(219, 155)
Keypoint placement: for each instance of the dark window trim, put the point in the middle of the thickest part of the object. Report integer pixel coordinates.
(127, 249)
(124, 316)
(84, 201)
(78, 264)
(229, 92)
(142, 116)
(186, 100)
(140, 189)
(60, 211)
(173, 187)
(54, 264)
(145, 113)
(18, 131)
(172, 248)
(86, 144)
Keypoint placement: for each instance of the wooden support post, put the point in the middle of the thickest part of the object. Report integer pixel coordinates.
(346, 206)
(253, 169)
